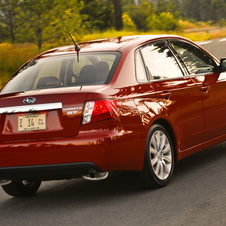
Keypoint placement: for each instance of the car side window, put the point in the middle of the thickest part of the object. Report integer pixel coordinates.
(140, 70)
(160, 62)
(196, 60)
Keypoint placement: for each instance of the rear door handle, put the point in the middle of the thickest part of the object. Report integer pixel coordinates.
(165, 94)
(205, 88)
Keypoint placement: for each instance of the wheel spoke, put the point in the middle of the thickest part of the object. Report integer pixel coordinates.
(163, 141)
(166, 169)
(153, 143)
(161, 171)
(158, 139)
(153, 151)
(154, 161)
(166, 159)
(157, 168)
(166, 149)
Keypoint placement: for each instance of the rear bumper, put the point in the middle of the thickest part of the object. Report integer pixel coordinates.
(48, 172)
(102, 150)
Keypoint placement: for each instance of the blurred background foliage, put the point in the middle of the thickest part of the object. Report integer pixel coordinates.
(46, 23)
(41, 21)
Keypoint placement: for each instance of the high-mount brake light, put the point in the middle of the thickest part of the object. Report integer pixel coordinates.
(98, 110)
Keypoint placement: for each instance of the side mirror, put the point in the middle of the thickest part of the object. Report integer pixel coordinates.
(223, 64)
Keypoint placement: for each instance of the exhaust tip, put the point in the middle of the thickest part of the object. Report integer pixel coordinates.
(95, 176)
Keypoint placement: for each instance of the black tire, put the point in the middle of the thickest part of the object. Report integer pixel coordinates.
(22, 188)
(159, 158)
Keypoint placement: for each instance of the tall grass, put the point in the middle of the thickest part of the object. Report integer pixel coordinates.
(12, 57)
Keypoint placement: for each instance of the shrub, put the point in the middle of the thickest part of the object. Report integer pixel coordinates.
(184, 24)
(165, 21)
(128, 23)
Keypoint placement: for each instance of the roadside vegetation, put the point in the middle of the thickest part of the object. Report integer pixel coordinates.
(28, 27)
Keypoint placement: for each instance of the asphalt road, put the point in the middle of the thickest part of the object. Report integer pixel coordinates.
(217, 47)
(196, 194)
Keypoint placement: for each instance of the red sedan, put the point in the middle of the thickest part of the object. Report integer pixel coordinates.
(136, 103)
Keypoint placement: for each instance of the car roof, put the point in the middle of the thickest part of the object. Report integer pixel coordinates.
(107, 44)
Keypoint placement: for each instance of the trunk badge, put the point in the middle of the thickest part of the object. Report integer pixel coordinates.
(29, 100)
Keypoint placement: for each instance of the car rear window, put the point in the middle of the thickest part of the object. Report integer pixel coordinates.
(64, 71)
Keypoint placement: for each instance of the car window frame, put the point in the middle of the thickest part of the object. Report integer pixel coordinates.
(165, 41)
(216, 66)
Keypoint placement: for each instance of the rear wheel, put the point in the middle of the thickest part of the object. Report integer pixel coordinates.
(159, 158)
(22, 188)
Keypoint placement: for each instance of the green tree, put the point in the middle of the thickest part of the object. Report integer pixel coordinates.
(8, 12)
(141, 14)
(35, 17)
(219, 10)
(65, 18)
(161, 6)
(97, 14)
(175, 7)
(204, 10)
(3, 31)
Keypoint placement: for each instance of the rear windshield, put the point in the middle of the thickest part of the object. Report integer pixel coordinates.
(64, 71)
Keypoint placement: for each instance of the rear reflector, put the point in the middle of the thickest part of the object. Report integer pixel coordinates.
(97, 110)
(88, 112)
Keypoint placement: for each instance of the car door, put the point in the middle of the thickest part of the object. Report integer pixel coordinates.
(211, 84)
(177, 94)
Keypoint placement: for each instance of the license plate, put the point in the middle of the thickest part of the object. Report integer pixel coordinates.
(31, 122)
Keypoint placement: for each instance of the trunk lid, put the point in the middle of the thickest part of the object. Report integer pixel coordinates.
(41, 114)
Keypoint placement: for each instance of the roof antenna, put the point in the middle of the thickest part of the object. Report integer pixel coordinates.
(77, 49)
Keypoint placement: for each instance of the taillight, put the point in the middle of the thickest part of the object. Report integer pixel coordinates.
(99, 110)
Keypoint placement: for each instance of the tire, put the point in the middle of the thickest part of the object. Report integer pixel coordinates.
(159, 158)
(22, 188)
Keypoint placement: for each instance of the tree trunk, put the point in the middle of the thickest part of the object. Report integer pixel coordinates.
(11, 23)
(118, 15)
(39, 33)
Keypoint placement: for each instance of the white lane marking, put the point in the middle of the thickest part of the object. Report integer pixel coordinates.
(204, 43)
(222, 40)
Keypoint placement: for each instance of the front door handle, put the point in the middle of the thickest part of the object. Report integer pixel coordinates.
(165, 94)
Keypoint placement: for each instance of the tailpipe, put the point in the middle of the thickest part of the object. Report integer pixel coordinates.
(5, 182)
(95, 176)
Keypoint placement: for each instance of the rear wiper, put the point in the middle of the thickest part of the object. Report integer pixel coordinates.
(77, 49)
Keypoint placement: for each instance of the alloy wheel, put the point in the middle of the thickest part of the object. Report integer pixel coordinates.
(160, 155)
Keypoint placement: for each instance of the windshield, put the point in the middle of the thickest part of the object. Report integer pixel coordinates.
(64, 71)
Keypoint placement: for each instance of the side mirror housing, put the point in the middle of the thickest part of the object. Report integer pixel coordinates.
(223, 64)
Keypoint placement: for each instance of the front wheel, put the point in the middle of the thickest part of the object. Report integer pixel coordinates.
(22, 188)
(159, 158)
